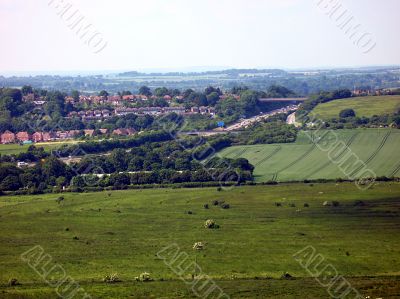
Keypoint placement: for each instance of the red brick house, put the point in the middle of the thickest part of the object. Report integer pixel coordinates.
(73, 133)
(23, 136)
(37, 137)
(129, 97)
(120, 132)
(130, 131)
(124, 132)
(7, 137)
(47, 136)
(89, 133)
(61, 135)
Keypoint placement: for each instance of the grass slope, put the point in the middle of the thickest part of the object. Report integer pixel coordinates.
(378, 148)
(363, 106)
(123, 231)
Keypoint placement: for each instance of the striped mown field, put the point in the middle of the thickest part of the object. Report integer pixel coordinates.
(304, 159)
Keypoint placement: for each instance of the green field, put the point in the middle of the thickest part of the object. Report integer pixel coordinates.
(303, 160)
(122, 231)
(10, 149)
(363, 106)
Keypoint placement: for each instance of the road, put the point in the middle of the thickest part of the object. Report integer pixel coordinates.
(291, 120)
(245, 123)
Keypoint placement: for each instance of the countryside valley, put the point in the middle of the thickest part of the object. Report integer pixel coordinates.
(267, 187)
(188, 149)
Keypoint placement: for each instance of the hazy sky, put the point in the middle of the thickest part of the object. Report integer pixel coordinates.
(185, 33)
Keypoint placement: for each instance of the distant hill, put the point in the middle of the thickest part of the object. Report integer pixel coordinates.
(229, 72)
(363, 106)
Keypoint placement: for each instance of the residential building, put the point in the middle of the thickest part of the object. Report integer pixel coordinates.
(177, 110)
(23, 136)
(89, 133)
(7, 137)
(37, 137)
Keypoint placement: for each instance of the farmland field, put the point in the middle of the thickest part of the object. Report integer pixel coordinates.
(363, 106)
(303, 160)
(95, 234)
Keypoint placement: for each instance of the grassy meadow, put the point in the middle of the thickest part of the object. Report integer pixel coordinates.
(95, 234)
(14, 148)
(378, 148)
(363, 106)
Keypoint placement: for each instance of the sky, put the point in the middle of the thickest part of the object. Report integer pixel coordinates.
(40, 36)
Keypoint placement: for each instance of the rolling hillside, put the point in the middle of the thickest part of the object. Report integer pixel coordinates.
(91, 235)
(363, 106)
(378, 148)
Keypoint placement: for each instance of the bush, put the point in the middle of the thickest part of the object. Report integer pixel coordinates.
(143, 277)
(215, 202)
(211, 224)
(225, 206)
(335, 203)
(219, 189)
(189, 212)
(278, 204)
(113, 278)
(198, 246)
(306, 205)
(359, 203)
(13, 282)
(271, 183)
(292, 205)
(206, 206)
(286, 276)
(347, 113)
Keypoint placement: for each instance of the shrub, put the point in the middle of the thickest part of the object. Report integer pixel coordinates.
(198, 246)
(215, 202)
(75, 238)
(278, 204)
(143, 277)
(292, 205)
(219, 189)
(335, 203)
(13, 282)
(206, 206)
(359, 203)
(306, 205)
(189, 212)
(210, 224)
(271, 183)
(225, 206)
(286, 276)
(113, 278)
(347, 113)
